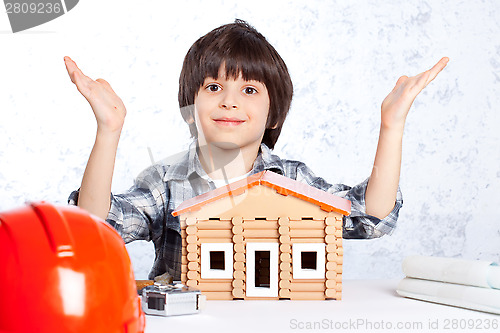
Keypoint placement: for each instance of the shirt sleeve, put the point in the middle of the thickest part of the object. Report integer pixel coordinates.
(138, 213)
(358, 224)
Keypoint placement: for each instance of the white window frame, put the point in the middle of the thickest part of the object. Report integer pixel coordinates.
(298, 272)
(251, 289)
(206, 271)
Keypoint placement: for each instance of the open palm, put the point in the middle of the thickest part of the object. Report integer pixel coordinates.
(396, 105)
(108, 108)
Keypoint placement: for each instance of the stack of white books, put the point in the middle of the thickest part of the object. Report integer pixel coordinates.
(471, 284)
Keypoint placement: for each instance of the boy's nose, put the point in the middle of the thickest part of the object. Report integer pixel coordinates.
(229, 102)
(229, 106)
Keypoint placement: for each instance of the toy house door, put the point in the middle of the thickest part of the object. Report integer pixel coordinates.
(262, 269)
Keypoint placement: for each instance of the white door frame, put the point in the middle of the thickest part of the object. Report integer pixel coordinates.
(251, 289)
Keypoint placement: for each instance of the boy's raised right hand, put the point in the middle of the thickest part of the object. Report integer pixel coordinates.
(108, 108)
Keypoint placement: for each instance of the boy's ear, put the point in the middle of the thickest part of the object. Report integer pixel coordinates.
(268, 123)
(275, 126)
(188, 114)
(190, 120)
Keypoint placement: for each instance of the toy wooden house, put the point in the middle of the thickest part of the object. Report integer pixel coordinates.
(264, 237)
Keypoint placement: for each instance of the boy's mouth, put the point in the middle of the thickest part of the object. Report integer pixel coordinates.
(229, 121)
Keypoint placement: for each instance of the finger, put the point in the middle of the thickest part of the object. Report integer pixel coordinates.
(83, 83)
(70, 63)
(74, 71)
(400, 81)
(105, 84)
(70, 67)
(422, 79)
(436, 69)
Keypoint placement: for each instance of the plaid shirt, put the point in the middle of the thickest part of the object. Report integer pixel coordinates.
(144, 212)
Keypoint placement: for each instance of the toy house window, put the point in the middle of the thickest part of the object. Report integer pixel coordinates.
(216, 260)
(308, 260)
(262, 269)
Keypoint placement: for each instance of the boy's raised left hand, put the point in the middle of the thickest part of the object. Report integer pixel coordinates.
(396, 105)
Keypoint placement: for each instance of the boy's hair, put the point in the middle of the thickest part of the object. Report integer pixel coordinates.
(242, 50)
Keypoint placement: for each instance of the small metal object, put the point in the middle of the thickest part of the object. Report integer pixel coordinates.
(171, 300)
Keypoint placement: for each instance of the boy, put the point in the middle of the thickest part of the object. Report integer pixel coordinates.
(234, 93)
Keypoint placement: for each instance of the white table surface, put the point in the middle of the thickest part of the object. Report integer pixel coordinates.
(366, 306)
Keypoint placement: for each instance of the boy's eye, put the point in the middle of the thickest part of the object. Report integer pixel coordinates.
(213, 87)
(250, 90)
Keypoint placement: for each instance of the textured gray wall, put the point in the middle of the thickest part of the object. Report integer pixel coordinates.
(344, 58)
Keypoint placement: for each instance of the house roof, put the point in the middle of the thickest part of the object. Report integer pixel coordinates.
(283, 185)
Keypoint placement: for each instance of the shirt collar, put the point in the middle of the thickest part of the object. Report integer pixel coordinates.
(267, 161)
(189, 163)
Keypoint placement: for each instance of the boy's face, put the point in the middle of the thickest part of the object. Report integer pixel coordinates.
(231, 112)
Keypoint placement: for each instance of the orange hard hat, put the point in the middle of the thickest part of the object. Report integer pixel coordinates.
(64, 270)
